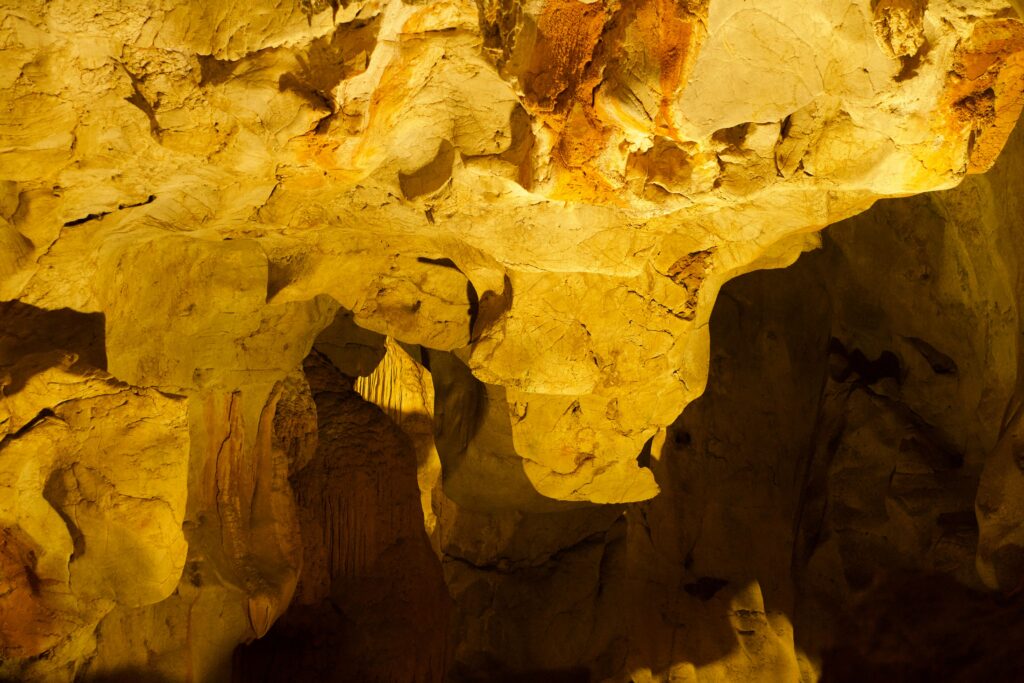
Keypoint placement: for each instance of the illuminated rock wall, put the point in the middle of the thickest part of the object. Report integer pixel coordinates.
(396, 341)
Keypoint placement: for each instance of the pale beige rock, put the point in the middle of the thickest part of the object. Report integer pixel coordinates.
(404, 390)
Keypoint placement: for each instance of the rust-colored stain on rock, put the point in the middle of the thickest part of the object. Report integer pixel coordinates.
(985, 88)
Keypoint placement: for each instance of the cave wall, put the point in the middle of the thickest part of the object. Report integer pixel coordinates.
(817, 516)
(396, 341)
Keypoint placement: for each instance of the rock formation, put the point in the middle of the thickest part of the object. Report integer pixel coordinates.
(440, 341)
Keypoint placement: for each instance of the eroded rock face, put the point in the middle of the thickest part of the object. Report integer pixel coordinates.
(371, 598)
(554, 190)
(378, 318)
(93, 483)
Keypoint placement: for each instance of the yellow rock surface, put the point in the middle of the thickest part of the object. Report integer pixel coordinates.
(229, 230)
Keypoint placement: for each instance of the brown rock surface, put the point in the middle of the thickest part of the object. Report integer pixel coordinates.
(406, 341)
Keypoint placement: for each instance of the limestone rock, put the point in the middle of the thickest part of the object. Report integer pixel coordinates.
(93, 484)
(371, 589)
(394, 340)
(227, 171)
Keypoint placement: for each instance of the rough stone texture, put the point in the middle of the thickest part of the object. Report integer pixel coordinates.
(353, 341)
(371, 597)
(219, 166)
(93, 482)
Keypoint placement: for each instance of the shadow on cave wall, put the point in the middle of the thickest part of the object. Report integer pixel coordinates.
(820, 494)
(828, 459)
(715, 545)
(126, 675)
(711, 573)
(371, 604)
(837, 477)
(574, 675)
(921, 628)
(32, 339)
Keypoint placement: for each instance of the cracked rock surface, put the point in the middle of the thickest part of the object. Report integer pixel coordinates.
(407, 341)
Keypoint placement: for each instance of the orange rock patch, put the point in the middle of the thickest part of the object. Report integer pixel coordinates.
(568, 32)
(27, 626)
(985, 90)
(679, 30)
(576, 43)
